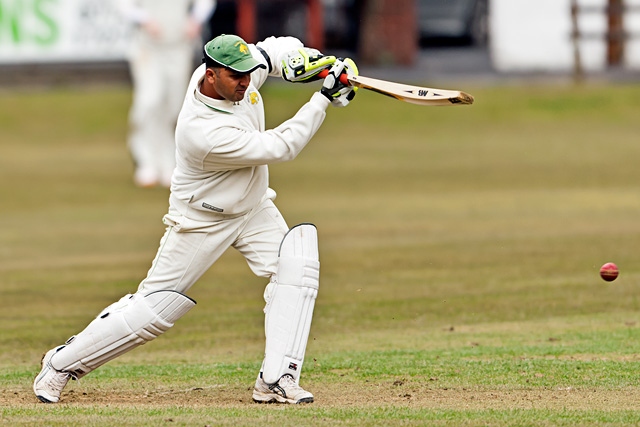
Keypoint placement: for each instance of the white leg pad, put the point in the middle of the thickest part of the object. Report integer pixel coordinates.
(290, 302)
(132, 321)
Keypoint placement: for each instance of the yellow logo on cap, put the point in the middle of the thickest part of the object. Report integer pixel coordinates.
(244, 49)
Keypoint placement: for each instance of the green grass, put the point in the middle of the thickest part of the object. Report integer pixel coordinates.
(460, 250)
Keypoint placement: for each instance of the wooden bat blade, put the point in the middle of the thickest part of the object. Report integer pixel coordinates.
(413, 94)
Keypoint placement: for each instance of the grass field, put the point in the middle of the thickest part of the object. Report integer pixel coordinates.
(460, 250)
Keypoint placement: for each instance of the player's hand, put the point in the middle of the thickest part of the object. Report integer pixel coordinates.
(153, 29)
(337, 92)
(193, 29)
(304, 64)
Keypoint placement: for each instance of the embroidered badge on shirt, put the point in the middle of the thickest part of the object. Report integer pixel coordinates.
(253, 97)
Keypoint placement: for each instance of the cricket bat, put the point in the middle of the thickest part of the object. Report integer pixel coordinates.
(413, 94)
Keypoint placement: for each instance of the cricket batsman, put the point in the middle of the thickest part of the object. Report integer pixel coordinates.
(220, 198)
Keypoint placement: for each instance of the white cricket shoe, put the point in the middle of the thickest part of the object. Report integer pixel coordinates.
(49, 383)
(286, 390)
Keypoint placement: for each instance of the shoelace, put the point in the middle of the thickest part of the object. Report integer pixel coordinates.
(288, 382)
(61, 378)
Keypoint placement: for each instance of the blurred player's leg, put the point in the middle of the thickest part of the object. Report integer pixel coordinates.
(177, 72)
(143, 116)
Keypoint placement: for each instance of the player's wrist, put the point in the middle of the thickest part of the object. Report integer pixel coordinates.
(320, 99)
(324, 92)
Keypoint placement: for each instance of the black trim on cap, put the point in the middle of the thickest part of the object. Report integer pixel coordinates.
(210, 63)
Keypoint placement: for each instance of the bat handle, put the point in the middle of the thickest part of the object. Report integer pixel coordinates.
(343, 77)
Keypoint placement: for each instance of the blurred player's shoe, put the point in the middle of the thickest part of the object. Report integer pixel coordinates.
(286, 390)
(49, 383)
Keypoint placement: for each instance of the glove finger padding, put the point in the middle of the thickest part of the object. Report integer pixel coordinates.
(304, 64)
(337, 92)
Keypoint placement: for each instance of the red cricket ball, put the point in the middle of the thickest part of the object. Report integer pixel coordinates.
(609, 272)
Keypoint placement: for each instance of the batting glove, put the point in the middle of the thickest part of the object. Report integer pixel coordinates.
(337, 92)
(304, 64)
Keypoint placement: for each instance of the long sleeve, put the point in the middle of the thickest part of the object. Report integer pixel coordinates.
(270, 52)
(234, 147)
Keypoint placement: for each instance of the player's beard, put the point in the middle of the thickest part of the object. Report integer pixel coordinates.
(239, 93)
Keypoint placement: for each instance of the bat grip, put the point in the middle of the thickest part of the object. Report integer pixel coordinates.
(343, 77)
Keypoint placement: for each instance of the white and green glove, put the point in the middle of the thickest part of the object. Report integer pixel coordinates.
(304, 64)
(337, 92)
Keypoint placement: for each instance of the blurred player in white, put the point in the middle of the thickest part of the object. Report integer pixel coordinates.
(220, 198)
(166, 37)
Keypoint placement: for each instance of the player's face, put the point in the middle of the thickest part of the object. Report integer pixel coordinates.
(230, 84)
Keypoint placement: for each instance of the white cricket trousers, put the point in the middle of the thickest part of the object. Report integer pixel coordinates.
(189, 248)
(160, 77)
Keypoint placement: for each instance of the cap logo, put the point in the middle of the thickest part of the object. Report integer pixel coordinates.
(243, 48)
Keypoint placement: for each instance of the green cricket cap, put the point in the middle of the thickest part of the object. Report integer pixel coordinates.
(232, 52)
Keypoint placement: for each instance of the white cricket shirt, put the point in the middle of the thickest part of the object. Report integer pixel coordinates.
(222, 148)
